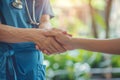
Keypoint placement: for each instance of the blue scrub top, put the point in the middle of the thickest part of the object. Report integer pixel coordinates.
(21, 61)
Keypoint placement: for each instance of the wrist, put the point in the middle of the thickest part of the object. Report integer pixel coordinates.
(74, 43)
(45, 25)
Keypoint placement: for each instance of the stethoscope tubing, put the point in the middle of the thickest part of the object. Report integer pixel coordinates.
(18, 4)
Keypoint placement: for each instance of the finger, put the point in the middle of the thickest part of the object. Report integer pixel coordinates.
(45, 49)
(45, 52)
(47, 46)
(42, 46)
(50, 34)
(58, 46)
(64, 32)
(53, 45)
(69, 35)
(37, 47)
(50, 46)
(52, 49)
(58, 30)
(54, 31)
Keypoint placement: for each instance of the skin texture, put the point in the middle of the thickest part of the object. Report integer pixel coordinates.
(13, 35)
(111, 46)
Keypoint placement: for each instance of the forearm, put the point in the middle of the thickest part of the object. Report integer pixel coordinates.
(12, 35)
(107, 46)
(45, 22)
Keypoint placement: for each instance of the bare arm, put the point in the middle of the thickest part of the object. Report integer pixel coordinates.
(111, 46)
(107, 46)
(45, 22)
(12, 35)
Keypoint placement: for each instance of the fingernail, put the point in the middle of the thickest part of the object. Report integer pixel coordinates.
(45, 51)
(70, 35)
(64, 32)
(37, 47)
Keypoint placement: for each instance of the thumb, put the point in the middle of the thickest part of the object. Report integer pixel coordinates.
(50, 34)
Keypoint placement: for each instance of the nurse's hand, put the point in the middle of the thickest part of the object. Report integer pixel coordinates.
(52, 46)
(46, 44)
(57, 47)
(57, 44)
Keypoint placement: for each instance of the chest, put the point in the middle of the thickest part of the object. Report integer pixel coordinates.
(19, 17)
(11, 3)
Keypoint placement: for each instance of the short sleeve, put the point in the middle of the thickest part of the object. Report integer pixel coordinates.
(48, 9)
(0, 11)
(0, 19)
(0, 14)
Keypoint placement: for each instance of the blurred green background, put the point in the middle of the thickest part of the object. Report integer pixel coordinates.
(89, 19)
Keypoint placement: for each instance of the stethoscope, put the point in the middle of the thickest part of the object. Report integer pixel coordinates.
(19, 5)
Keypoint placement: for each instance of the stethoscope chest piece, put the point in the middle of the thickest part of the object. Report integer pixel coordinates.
(17, 4)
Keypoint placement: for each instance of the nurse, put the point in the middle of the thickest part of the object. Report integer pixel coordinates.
(19, 58)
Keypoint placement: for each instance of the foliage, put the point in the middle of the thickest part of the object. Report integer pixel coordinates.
(76, 64)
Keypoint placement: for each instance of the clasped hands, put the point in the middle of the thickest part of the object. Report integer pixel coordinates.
(54, 41)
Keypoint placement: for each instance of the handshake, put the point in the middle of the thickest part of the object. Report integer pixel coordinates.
(53, 41)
